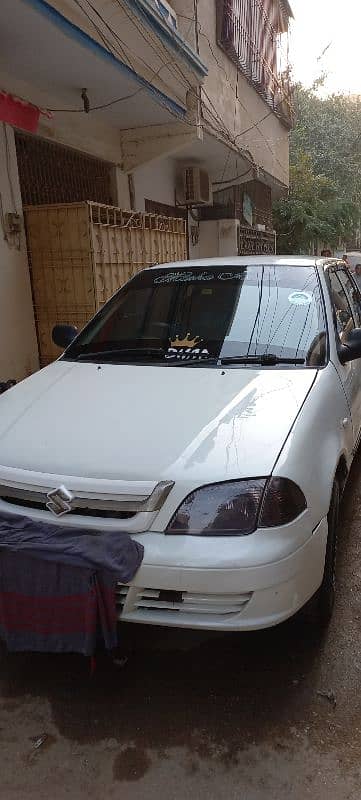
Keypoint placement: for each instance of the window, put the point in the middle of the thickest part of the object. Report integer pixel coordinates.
(344, 319)
(352, 294)
(195, 314)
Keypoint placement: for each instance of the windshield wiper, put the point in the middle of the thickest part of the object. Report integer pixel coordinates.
(191, 362)
(119, 352)
(265, 360)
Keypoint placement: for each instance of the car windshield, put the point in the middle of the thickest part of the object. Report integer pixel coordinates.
(195, 316)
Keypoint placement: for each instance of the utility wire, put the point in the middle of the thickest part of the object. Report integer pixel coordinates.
(111, 48)
(234, 178)
(218, 127)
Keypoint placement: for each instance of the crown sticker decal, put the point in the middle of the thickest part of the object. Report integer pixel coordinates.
(187, 342)
(187, 349)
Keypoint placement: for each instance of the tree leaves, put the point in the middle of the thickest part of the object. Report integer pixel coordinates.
(325, 173)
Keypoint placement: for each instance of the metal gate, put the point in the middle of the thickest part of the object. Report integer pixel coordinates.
(81, 253)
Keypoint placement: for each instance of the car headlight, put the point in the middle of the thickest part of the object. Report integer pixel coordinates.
(237, 508)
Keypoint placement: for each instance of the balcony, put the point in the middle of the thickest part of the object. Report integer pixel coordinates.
(252, 33)
(137, 69)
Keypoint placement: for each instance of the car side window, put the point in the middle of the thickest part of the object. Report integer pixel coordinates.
(344, 319)
(353, 295)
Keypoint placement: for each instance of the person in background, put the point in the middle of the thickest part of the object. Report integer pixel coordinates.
(345, 259)
(326, 253)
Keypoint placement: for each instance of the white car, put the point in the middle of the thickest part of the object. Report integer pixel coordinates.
(212, 409)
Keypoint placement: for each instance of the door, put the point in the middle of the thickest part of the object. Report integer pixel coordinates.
(346, 303)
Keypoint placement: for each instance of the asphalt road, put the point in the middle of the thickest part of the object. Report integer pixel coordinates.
(274, 715)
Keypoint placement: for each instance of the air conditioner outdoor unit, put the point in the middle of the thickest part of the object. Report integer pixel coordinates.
(197, 189)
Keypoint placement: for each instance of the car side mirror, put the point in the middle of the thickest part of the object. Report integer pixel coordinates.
(350, 349)
(64, 335)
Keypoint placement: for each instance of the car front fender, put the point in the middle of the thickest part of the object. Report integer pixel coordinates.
(320, 437)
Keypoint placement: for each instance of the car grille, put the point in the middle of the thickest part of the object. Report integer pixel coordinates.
(118, 507)
(137, 602)
(83, 512)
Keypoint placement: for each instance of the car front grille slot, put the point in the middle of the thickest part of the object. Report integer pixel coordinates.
(145, 601)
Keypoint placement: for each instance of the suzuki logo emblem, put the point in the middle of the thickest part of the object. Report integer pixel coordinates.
(59, 501)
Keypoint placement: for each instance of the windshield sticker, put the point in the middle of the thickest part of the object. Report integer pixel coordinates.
(187, 342)
(230, 276)
(187, 354)
(300, 298)
(185, 277)
(186, 349)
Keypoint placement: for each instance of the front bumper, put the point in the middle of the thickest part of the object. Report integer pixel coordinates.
(234, 598)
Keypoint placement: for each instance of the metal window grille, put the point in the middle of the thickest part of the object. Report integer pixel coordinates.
(250, 33)
(50, 173)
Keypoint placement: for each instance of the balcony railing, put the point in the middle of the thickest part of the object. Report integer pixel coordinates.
(250, 32)
(253, 242)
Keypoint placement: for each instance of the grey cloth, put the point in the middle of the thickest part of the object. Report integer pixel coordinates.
(57, 585)
(107, 550)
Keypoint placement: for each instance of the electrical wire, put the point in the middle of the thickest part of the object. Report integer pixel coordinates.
(234, 178)
(119, 53)
(96, 108)
(156, 45)
(101, 18)
(233, 139)
(255, 124)
(260, 289)
(218, 126)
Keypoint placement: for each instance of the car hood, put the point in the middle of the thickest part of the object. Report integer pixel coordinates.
(133, 422)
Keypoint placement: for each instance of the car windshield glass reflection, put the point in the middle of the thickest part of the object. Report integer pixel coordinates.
(202, 316)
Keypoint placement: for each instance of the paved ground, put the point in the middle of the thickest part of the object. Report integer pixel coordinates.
(196, 715)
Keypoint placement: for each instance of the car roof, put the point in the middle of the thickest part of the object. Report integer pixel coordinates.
(239, 261)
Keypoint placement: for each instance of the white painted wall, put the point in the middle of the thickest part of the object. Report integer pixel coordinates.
(120, 189)
(216, 238)
(18, 345)
(155, 181)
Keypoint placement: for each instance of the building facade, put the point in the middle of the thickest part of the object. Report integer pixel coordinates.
(179, 109)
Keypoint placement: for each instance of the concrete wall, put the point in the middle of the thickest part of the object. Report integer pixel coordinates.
(18, 345)
(120, 189)
(217, 238)
(237, 103)
(155, 181)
